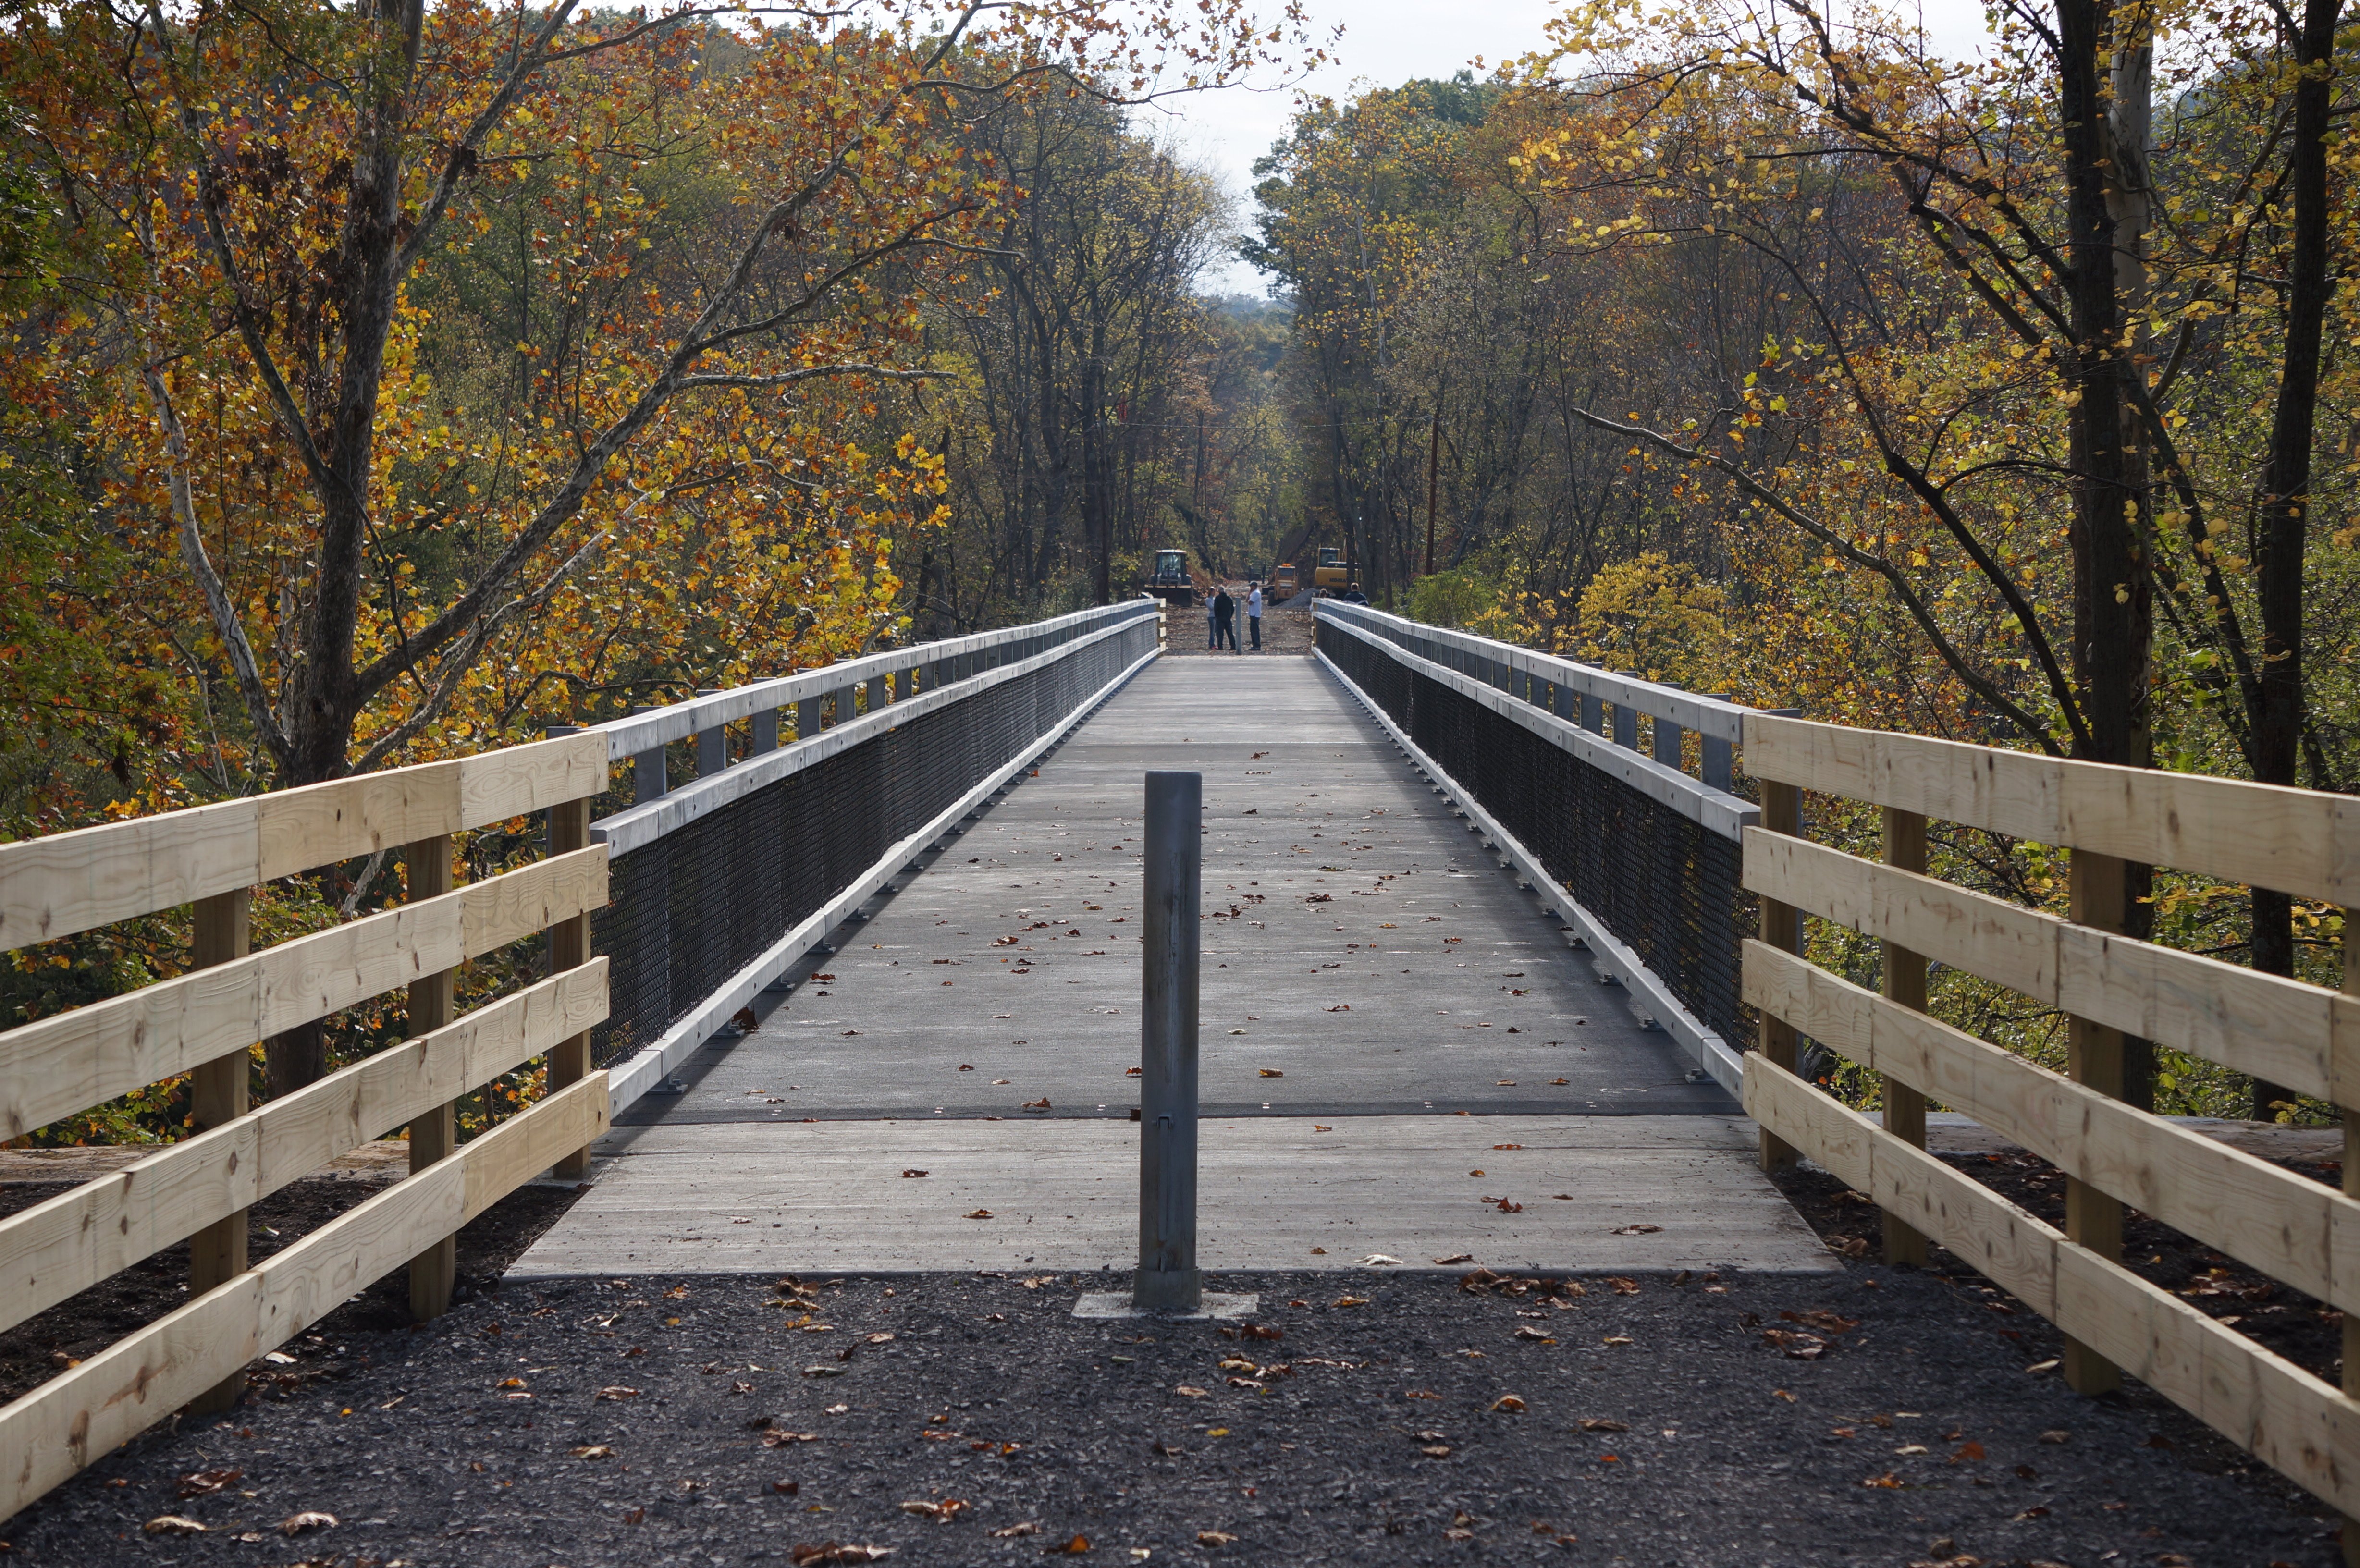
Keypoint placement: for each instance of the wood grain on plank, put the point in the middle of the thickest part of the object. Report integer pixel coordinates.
(2285, 1225)
(2301, 1425)
(77, 1238)
(2303, 842)
(67, 1062)
(58, 1428)
(2305, 1036)
(69, 882)
(65, 883)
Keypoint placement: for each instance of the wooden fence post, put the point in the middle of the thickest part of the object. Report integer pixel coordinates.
(435, 1136)
(1904, 983)
(2093, 1055)
(1782, 812)
(2350, 1530)
(568, 948)
(217, 1093)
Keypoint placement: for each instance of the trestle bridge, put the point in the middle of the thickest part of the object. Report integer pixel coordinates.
(839, 973)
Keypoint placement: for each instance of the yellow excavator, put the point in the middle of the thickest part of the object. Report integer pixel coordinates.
(1333, 574)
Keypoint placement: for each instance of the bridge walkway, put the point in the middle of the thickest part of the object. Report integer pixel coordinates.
(1395, 1040)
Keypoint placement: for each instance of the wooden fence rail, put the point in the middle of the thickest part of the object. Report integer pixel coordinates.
(2296, 1231)
(205, 1023)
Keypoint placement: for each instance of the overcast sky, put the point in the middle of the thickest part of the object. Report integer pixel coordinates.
(1385, 43)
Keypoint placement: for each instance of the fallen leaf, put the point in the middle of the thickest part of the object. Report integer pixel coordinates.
(1968, 1454)
(1561, 1081)
(1507, 1146)
(780, 1439)
(1266, 1071)
(1317, 1128)
(831, 1552)
(1379, 1261)
(914, 1173)
(1351, 1301)
(205, 1483)
(1637, 1229)
(2036, 1511)
(173, 1524)
(1603, 1423)
(976, 1215)
(1457, 1258)
(2054, 1435)
(1023, 1526)
(1616, 1339)
(2039, 1366)
(1782, 1394)
(1889, 1481)
(1622, 1286)
(942, 1512)
(1510, 1403)
(1073, 1548)
(594, 1450)
(617, 1391)
(1341, 1008)
(1190, 1389)
(1040, 1104)
(1527, 1331)
(635, 1516)
(1436, 1450)
(309, 1520)
(1214, 1538)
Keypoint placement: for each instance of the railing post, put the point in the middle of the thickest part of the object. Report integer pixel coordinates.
(647, 772)
(218, 1093)
(876, 697)
(1667, 742)
(807, 718)
(1782, 812)
(847, 705)
(1904, 984)
(2093, 1056)
(568, 948)
(1626, 720)
(1171, 934)
(712, 743)
(434, 1135)
(1593, 713)
(764, 732)
(1719, 758)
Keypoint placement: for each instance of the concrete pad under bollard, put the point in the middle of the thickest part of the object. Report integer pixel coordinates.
(1119, 1305)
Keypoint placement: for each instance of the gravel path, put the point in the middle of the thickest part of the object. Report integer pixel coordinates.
(1668, 1426)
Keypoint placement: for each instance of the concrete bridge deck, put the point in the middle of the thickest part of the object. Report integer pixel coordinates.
(1384, 1009)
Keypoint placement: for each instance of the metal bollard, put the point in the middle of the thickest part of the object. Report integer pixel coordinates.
(1168, 1279)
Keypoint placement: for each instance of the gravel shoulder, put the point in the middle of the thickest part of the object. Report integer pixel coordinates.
(1889, 1420)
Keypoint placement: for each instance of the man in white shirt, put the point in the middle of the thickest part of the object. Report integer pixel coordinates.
(1253, 614)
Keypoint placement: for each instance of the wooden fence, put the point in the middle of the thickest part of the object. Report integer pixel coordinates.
(2304, 1037)
(203, 1023)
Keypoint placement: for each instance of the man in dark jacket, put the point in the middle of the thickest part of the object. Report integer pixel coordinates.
(1224, 620)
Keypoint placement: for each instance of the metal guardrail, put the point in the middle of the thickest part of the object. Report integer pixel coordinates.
(1543, 755)
(724, 882)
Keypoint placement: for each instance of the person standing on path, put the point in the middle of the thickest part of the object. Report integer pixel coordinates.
(1224, 620)
(1212, 623)
(1253, 612)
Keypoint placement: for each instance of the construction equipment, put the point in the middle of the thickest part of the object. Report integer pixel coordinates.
(1169, 580)
(1331, 575)
(1283, 584)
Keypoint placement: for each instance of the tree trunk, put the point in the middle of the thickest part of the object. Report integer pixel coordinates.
(2284, 511)
(2112, 613)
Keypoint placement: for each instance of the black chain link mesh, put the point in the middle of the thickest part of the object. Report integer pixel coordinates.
(1664, 884)
(694, 908)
